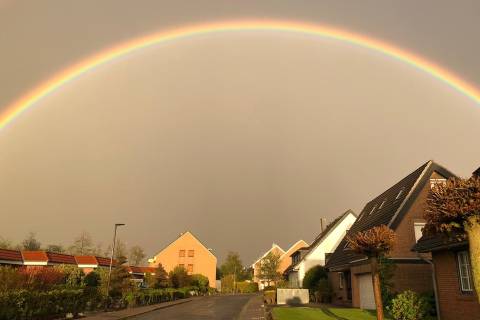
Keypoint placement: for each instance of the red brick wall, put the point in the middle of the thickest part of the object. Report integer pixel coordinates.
(415, 277)
(339, 295)
(454, 305)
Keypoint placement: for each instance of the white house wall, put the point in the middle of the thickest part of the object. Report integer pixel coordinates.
(317, 255)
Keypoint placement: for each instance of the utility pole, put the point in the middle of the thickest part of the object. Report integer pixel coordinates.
(111, 259)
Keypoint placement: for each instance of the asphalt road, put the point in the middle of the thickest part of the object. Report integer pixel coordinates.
(207, 308)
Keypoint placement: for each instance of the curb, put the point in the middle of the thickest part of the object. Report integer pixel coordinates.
(157, 308)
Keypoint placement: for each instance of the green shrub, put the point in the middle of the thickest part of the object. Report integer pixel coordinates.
(323, 291)
(312, 276)
(92, 279)
(29, 304)
(247, 287)
(179, 277)
(408, 306)
(199, 281)
(270, 296)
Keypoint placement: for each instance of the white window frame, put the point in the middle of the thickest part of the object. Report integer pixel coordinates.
(465, 271)
(416, 226)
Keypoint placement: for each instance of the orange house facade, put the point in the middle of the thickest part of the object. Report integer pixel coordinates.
(188, 252)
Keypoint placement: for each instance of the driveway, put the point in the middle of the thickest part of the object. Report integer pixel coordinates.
(216, 307)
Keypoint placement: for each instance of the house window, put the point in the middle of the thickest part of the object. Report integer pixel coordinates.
(418, 227)
(181, 265)
(191, 253)
(341, 280)
(436, 181)
(181, 253)
(190, 268)
(465, 271)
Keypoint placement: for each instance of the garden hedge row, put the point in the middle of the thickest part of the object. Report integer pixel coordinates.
(52, 304)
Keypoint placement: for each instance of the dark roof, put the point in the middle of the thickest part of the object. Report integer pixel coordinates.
(438, 242)
(300, 250)
(398, 200)
(476, 172)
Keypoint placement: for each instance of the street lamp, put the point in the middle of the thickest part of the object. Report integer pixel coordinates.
(111, 257)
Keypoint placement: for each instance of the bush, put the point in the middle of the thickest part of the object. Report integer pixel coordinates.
(408, 306)
(179, 277)
(92, 279)
(312, 277)
(41, 278)
(28, 304)
(270, 296)
(323, 292)
(247, 287)
(200, 281)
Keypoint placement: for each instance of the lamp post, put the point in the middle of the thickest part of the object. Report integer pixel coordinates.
(111, 257)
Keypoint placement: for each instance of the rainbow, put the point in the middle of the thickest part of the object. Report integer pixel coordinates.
(28, 100)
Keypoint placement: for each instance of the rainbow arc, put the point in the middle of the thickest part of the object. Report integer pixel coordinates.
(29, 99)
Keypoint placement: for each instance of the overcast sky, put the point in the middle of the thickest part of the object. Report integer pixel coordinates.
(243, 138)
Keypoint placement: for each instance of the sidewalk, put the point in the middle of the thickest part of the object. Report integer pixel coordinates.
(131, 312)
(254, 309)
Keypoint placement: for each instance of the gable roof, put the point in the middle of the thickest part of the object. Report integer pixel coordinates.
(181, 235)
(388, 208)
(274, 245)
(323, 235)
(290, 250)
(34, 256)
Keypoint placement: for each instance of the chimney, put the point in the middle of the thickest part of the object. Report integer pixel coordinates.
(323, 224)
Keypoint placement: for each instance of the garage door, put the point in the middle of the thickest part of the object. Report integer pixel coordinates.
(367, 299)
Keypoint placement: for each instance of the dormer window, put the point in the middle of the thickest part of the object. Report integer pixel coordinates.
(383, 203)
(399, 194)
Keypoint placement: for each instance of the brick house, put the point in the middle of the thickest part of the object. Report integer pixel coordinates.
(285, 260)
(401, 208)
(316, 254)
(188, 252)
(455, 292)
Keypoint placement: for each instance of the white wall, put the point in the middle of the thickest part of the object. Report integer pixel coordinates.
(317, 255)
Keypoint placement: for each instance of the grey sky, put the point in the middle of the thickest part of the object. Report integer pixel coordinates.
(231, 135)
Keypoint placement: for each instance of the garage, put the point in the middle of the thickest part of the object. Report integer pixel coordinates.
(367, 299)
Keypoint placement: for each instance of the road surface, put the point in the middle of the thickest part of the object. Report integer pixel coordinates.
(241, 307)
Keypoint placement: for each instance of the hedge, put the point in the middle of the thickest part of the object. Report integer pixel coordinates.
(246, 287)
(28, 304)
(25, 304)
(152, 296)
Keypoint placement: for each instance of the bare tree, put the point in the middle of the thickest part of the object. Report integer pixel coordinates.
(137, 256)
(31, 243)
(5, 243)
(453, 209)
(82, 245)
(374, 243)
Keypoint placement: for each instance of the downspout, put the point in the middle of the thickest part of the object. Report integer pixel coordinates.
(435, 290)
